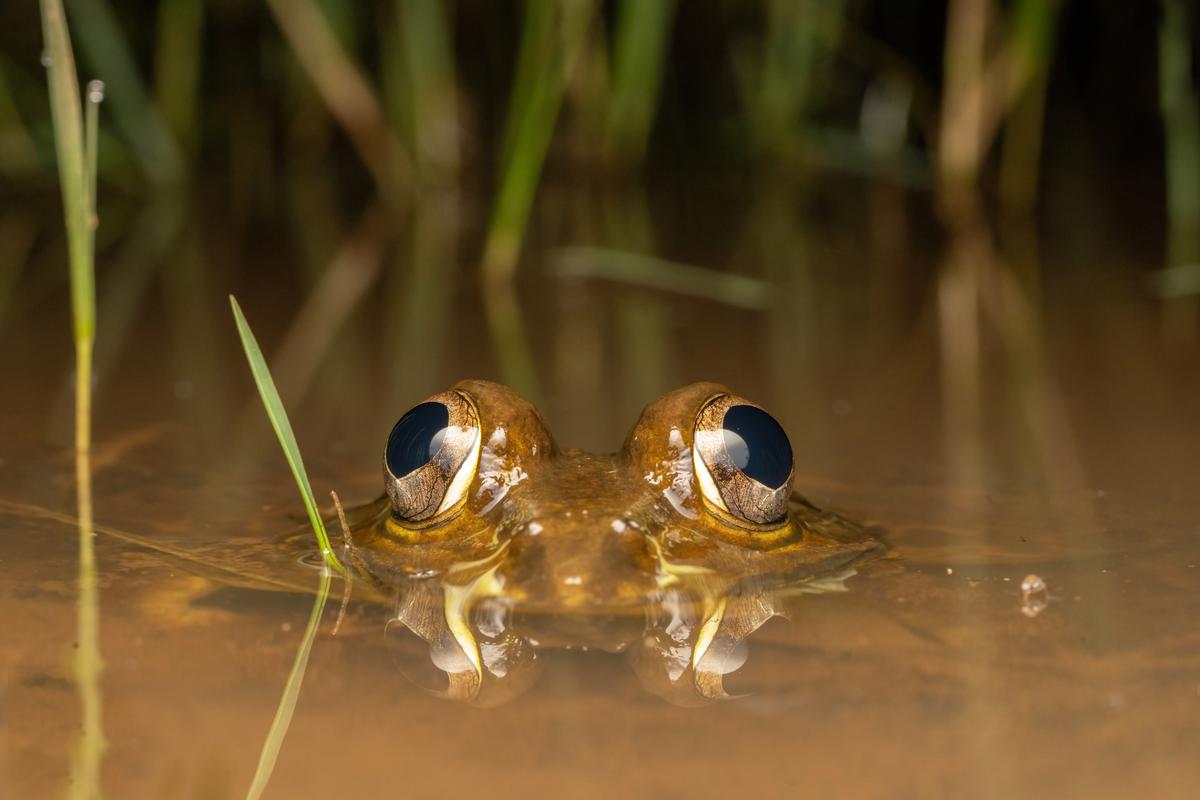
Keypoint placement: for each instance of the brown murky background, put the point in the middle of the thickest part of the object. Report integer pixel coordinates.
(1076, 461)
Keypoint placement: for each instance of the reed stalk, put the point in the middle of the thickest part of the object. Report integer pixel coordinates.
(76, 153)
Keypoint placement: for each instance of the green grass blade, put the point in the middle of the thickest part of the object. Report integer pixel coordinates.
(283, 429)
(291, 690)
(67, 113)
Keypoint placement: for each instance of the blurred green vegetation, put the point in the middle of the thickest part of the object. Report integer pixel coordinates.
(412, 95)
(418, 139)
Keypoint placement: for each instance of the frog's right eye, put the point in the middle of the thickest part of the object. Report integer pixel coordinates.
(431, 457)
(743, 462)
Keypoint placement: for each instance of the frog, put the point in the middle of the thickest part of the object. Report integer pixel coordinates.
(498, 545)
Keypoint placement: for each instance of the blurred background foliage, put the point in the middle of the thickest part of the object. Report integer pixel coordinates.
(237, 104)
(395, 142)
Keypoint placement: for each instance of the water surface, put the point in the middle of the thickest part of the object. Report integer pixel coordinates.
(1063, 443)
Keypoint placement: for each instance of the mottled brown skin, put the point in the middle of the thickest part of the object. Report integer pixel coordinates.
(578, 533)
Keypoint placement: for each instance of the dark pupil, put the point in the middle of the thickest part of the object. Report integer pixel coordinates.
(757, 445)
(416, 438)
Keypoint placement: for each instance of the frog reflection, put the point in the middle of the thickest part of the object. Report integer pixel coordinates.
(500, 545)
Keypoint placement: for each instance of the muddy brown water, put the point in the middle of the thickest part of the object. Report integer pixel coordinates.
(1066, 445)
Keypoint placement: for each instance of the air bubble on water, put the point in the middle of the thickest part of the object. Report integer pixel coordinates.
(46, 59)
(95, 91)
(1034, 596)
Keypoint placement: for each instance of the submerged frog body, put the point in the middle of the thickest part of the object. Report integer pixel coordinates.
(499, 544)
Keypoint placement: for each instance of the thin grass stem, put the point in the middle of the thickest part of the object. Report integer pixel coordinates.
(94, 96)
(65, 111)
(220, 568)
(283, 429)
(291, 693)
(348, 539)
(76, 184)
(89, 748)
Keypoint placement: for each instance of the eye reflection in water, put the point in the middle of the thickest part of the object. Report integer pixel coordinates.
(673, 552)
(682, 643)
(459, 642)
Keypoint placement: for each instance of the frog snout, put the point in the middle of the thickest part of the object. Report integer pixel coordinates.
(572, 563)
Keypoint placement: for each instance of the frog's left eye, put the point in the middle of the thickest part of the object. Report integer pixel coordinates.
(743, 461)
(431, 456)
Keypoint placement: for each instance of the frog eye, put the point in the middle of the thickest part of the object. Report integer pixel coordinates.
(431, 457)
(743, 461)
